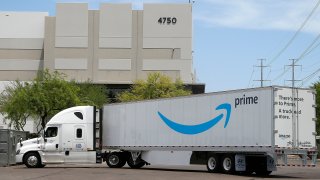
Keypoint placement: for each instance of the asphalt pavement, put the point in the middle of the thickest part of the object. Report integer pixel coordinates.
(101, 171)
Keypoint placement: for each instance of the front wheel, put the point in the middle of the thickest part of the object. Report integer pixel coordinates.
(116, 160)
(32, 160)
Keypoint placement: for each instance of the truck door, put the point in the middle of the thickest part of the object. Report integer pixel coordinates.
(77, 151)
(52, 147)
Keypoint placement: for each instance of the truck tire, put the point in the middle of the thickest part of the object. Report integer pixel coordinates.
(213, 164)
(32, 160)
(115, 160)
(139, 163)
(228, 164)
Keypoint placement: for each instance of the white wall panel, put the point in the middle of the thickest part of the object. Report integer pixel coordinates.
(185, 44)
(114, 64)
(21, 43)
(72, 19)
(72, 24)
(115, 28)
(115, 42)
(19, 64)
(77, 42)
(22, 24)
(115, 20)
(68, 63)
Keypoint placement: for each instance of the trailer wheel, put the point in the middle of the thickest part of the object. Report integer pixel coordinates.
(139, 163)
(228, 165)
(115, 160)
(213, 164)
(32, 160)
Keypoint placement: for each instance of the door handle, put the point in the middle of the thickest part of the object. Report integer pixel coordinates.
(57, 145)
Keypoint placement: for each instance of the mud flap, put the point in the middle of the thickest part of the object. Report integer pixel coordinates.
(240, 162)
(271, 166)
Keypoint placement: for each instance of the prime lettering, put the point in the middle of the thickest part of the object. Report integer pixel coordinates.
(244, 100)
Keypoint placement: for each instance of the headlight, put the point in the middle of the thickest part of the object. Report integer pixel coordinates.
(18, 152)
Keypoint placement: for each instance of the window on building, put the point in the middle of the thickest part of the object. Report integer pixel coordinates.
(79, 133)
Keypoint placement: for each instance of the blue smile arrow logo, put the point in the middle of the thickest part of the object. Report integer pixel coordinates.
(198, 128)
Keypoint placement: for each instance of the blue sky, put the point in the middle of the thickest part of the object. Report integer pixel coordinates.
(230, 35)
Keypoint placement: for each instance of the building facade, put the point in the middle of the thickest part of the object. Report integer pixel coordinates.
(114, 45)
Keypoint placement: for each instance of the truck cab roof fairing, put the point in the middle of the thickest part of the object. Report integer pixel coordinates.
(71, 115)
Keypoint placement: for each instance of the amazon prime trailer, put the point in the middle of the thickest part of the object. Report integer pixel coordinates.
(249, 130)
(242, 130)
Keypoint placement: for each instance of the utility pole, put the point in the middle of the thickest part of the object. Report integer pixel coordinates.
(261, 71)
(295, 107)
(293, 65)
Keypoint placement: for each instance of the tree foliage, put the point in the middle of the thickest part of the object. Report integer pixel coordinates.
(92, 94)
(156, 86)
(49, 94)
(316, 86)
(13, 105)
(42, 98)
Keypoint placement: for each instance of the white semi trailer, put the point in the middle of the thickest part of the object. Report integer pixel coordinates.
(247, 130)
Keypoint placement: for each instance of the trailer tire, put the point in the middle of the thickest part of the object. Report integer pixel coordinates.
(139, 163)
(32, 160)
(228, 164)
(115, 160)
(213, 164)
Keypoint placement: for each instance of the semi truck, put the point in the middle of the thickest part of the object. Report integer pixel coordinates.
(245, 131)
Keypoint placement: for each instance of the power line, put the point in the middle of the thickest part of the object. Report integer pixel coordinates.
(251, 77)
(305, 52)
(309, 77)
(313, 48)
(295, 34)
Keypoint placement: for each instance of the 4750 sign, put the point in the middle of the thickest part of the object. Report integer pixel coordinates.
(167, 20)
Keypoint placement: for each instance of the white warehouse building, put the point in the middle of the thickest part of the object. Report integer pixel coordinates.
(114, 45)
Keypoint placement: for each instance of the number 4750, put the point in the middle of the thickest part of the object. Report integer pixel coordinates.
(168, 20)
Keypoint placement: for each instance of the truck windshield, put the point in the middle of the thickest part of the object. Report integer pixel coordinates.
(51, 132)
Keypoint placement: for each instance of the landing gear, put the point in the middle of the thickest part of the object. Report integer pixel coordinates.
(135, 161)
(139, 163)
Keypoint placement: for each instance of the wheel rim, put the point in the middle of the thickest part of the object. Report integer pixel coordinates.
(114, 160)
(212, 163)
(32, 160)
(227, 164)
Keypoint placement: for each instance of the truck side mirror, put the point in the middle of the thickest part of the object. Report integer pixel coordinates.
(20, 141)
(43, 132)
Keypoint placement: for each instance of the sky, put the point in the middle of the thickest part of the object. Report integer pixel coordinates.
(230, 36)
